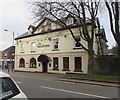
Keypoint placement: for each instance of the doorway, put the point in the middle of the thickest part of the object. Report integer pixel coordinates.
(44, 67)
(44, 60)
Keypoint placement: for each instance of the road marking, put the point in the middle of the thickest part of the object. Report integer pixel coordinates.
(91, 95)
(18, 82)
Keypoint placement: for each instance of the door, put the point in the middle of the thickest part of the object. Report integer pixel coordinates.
(44, 67)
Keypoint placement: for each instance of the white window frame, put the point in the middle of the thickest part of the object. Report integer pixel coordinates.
(69, 21)
(32, 46)
(76, 42)
(55, 43)
(22, 48)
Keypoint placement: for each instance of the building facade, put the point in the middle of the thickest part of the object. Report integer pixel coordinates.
(0, 59)
(7, 57)
(50, 47)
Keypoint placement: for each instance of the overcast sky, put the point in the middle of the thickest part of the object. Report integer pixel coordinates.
(16, 17)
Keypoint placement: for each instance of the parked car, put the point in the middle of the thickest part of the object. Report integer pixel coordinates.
(9, 89)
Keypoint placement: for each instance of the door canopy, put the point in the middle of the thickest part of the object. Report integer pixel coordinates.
(43, 58)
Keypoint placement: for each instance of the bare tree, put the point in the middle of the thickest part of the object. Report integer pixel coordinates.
(113, 10)
(82, 11)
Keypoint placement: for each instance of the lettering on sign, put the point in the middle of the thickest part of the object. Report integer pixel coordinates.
(42, 46)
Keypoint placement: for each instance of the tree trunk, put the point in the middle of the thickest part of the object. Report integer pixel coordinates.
(90, 60)
(118, 51)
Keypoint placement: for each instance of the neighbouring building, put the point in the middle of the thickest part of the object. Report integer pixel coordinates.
(0, 59)
(49, 47)
(7, 57)
(102, 47)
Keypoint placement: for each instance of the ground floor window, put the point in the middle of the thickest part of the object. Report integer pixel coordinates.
(78, 64)
(65, 63)
(32, 63)
(55, 63)
(22, 62)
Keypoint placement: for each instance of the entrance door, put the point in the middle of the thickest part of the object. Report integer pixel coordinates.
(44, 67)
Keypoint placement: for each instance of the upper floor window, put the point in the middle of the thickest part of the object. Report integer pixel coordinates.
(30, 31)
(77, 43)
(49, 26)
(33, 46)
(43, 28)
(69, 21)
(22, 47)
(55, 44)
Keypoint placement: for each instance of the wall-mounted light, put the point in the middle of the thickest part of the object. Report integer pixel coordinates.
(49, 39)
(65, 36)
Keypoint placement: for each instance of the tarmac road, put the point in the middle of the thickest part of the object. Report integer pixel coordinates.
(41, 85)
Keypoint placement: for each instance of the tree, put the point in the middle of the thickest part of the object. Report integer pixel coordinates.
(114, 50)
(82, 11)
(113, 11)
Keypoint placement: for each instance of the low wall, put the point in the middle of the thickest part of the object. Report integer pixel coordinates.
(107, 65)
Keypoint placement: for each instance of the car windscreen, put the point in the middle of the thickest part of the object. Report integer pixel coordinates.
(7, 88)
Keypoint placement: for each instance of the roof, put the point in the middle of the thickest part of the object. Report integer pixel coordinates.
(10, 49)
(24, 35)
(46, 18)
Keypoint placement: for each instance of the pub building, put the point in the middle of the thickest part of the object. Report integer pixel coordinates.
(50, 48)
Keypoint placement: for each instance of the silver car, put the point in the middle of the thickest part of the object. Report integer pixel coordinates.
(9, 89)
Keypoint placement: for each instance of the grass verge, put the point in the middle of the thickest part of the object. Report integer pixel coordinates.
(94, 77)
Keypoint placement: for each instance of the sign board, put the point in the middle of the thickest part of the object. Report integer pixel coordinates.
(6, 59)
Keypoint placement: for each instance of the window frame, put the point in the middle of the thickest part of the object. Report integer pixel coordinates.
(22, 48)
(66, 64)
(55, 43)
(75, 43)
(78, 65)
(55, 63)
(33, 47)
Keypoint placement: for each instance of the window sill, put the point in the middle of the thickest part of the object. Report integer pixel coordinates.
(75, 48)
(78, 71)
(33, 51)
(55, 50)
(65, 70)
(56, 69)
(22, 52)
(22, 66)
(32, 67)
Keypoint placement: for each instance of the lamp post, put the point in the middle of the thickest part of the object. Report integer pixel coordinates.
(12, 34)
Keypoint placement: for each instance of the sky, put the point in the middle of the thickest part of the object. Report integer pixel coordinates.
(15, 16)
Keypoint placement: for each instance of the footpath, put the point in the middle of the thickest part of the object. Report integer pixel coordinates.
(112, 84)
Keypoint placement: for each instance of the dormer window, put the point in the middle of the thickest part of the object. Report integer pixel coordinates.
(69, 21)
(30, 29)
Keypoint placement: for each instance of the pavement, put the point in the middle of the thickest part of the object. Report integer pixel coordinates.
(93, 82)
(111, 84)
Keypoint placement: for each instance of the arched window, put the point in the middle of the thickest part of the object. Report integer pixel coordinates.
(32, 63)
(22, 63)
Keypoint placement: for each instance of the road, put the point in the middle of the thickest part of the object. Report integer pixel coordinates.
(41, 85)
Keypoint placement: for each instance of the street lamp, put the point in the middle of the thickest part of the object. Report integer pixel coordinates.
(12, 33)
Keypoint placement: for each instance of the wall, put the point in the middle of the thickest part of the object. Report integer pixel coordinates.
(108, 65)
